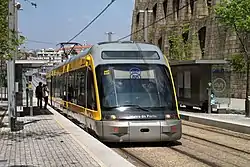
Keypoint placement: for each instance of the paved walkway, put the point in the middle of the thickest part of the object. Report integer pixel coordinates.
(41, 142)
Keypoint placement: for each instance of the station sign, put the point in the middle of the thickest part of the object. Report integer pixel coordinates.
(219, 85)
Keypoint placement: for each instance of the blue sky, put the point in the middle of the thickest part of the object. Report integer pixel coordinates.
(59, 20)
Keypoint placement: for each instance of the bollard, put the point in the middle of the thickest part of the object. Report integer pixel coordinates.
(248, 106)
(27, 97)
(31, 102)
(209, 109)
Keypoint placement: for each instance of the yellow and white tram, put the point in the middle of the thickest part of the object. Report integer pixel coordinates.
(121, 91)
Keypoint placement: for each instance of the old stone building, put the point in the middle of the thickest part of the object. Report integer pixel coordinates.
(188, 29)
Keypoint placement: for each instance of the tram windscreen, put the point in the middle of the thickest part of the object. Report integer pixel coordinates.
(144, 85)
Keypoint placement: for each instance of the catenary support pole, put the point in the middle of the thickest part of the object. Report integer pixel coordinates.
(11, 68)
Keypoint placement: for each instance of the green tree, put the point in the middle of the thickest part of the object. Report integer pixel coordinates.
(180, 48)
(235, 14)
(238, 63)
(7, 43)
(3, 28)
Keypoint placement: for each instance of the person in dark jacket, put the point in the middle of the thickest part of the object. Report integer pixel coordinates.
(39, 95)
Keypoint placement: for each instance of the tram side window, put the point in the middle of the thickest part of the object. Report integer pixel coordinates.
(61, 86)
(81, 74)
(49, 83)
(75, 86)
(70, 87)
(57, 86)
(52, 90)
(64, 87)
(54, 86)
(91, 98)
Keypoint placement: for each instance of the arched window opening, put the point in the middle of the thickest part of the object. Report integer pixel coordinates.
(176, 7)
(202, 39)
(165, 7)
(137, 20)
(160, 43)
(192, 6)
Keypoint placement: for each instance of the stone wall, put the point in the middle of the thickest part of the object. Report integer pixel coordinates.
(208, 39)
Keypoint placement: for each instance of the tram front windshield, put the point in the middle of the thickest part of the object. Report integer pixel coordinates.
(143, 85)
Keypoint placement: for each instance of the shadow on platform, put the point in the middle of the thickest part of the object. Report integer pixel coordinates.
(4, 99)
(37, 133)
(146, 144)
(36, 111)
(22, 166)
(3, 107)
(193, 110)
(3, 125)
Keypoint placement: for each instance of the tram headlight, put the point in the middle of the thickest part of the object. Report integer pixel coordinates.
(113, 117)
(167, 116)
(171, 116)
(110, 117)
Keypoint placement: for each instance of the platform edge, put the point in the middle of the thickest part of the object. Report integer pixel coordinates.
(102, 160)
(217, 123)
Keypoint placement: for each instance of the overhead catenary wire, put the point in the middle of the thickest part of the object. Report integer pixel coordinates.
(92, 21)
(170, 14)
(112, 1)
(43, 42)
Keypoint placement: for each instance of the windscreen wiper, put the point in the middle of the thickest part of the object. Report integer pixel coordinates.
(130, 105)
(136, 106)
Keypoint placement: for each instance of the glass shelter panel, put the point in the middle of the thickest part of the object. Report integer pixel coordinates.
(221, 83)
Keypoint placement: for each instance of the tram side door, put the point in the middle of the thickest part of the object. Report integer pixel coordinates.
(90, 90)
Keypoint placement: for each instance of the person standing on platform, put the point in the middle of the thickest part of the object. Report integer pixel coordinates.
(39, 95)
(46, 95)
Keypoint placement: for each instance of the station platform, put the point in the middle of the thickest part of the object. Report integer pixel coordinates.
(49, 139)
(234, 122)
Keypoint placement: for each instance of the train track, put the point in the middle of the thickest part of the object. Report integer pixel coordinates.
(217, 130)
(186, 153)
(244, 137)
(187, 137)
(183, 150)
(137, 161)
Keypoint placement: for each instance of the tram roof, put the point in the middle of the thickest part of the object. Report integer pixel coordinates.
(111, 46)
